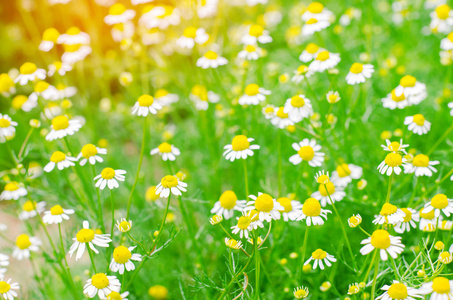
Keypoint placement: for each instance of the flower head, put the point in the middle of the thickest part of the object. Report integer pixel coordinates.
(171, 184)
(88, 236)
(240, 148)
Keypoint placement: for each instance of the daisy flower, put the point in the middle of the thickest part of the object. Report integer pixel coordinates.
(227, 204)
(211, 60)
(240, 147)
(49, 38)
(29, 72)
(301, 292)
(165, 98)
(307, 150)
(355, 221)
(358, 73)
(160, 16)
(439, 203)
(268, 111)
(123, 225)
(88, 236)
(301, 73)
(253, 95)
(61, 127)
(7, 126)
(117, 296)
(445, 257)
(122, 259)
(399, 291)
(13, 191)
(119, 14)
(417, 124)
(439, 288)
(31, 209)
(324, 60)
(192, 35)
(144, 105)
(6, 85)
(333, 97)
(45, 90)
(63, 91)
(442, 19)
(60, 160)
(345, 173)
(314, 25)
(310, 52)
(389, 214)
(421, 166)
(317, 11)
(75, 53)
(202, 97)
(74, 36)
(427, 220)
(216, 219)
(267, 207)
(291, 208)
(298, 108)
(102, 285)
(280, 119)
(391, 164)
(256, 222)
(321, 257)
(171, 184)
(167, 151)
(411, 216)
(251, 52)
(7, 289)
(384, 242)
(336, 193)
(24, 245)
(413, 90)
(233, 244)
(256, 34)
(353, 288)
(58, 67)
(393, 101)
(313, 213)
(24, 103)
(109, 177)
(395, 146)
(447, 43)
(243, 226)
(89, 153)
(56, 215)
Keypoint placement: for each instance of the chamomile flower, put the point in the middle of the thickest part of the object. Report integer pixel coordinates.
(160, 16)
(256, 34)
(412, 89)
(442, 19)
(393, 101)
(88, 236)
(314, 25)
(358, 73)
(7, 126)
(345, 173)
(312, 212)
(233, 244)
(292, 208)
(325, 60)
(74, 36)
(385, 243)
(321, 257)
(395, 147)
(389, 214)
(24, 245)
(56, 215)
(165, 98)
(89, 153)
(145, 104)
(13, 191)
(447, 43)
(445, 257)
(29, 72)
(253, 95)
(310, 52)
(227, 204)
(119, 14)
(244, 225)
(123, 225)
(268, 111)
(391, 164)
(63, 91)
(417, 124)
(167, 151)
(58, 67)
(102, 285)
(31, 209)
(317, 11)
(411, 216)
(75, 53)
(440, 288)
(399, 291)
(240, 148)
(355, 221)
(301, 292)
(309, 151)
(298, 108)
(427, 220)
(109, 177)
(122, 259)
(267, 207)
(7, 86)
(439, 203)
(62, 126)
(44, 90)
(421, 166)
(211, 60)
(7, 289)
(280, 119)
(60, 160)
(251, 52)
(49, 38)
(301, 73)
(117, 296)
(353, 288)
(192, 36)
(216, 219)
(202, 97)
(336, 193)
(171, 184)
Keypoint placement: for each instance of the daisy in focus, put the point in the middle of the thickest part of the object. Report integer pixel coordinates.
(122, 259)
(389, 214)
(170, 184)
(56, 215)
(109, 177)
(391, 164)
(145, 104)
(7, 289)
(399, 291)
(244, 225)
(417, 124)
(321, 257)
(439, 203)
(385, 243)
(409, 220)
(60, 160)
(313, 213)
(102, 285)
(439, 288)
(240, 148)
(421, 166)
(166, 151)
(298, 108)
(87, 237)
(309, 151)
(328, 192)
(395, 147)
(89, 153)
(268, 208)
(24, 245)
(253, 95)
(227, 204)
(62, 126)
(358, 73)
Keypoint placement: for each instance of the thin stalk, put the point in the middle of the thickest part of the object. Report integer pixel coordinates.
(376, 270)
(387, 198)
(246, 179)
(257, 266)
(22, 148)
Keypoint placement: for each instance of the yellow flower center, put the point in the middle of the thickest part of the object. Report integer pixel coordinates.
(421, 160)
(286, 203)
(394, 146)
(297, 101)
(240, 142)
(388, 209)
(57, 157)
(17, 103)
(169, 181)
(306, 153)
(85, 235)
(23, 242)
(299, 294)
(323, 56)
(393, 160)
(264, 203)
(124, 226)
(252, 89)
(311, 21)
(228, 200)
(72, 48)
(114, 296)
(50, 34)
(380, 239)
(302, 69)
(353, 289)
(441, 285)
(439, 201)
(250, 48)
(41, 86)
(11, 186)
(326, 191)
(315, 7)
(281, 114)
(427, 216)
(161, 93)
(323, 179)
(354, 220)
(419, 119)
(151, 194)
(73, 30)
(100, 281)
(443, 11)
(232, 243)
(211, 55)
(29, 206)
(312, 48)
(398, 291)
(4, 287)
(190, 32)
(108, 173)
(397, 98)
(343, 170)
(117, 9)
(56, 210)
(121, 254)
(164, 148)
(311, 208)
(28, 68)
(4, 123)
(319, 254)
(244, 222)
(408, 81)
(145, 100)
(356, 68)
(60, 122)
(89, 150)
(408, 215)
(200, 91)
(445, 257)
(256, 30)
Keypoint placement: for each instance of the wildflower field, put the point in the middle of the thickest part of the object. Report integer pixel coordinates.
(213, 149)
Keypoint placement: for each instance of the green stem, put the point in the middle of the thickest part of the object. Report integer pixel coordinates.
(376, 270)
(257, 266)
(387, 199)
(440, 140)
(98, 195)
(304, 250)
(92, 260)
(279, 163)
(246, 179)
(112, 202)
(22, 148)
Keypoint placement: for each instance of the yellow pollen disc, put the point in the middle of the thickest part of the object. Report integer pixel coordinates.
(281, 114)
(343, 170)
(286, 203)
(117, 9)
(312, 48)
(441, 285)
(323, 179)
(311, 208)
(299, 294)
(269, 110)
(427, 216)
(297, 101)
(29, 206)
(306, 153)
(315, 7)
(256, 30)
(240, 143)
(161, 93)
(264, 203)
(445, 255)
(450, 36)
(60, 122)
(73, 31)
(394, 146)
(319, 254)
(164, 148)
(169, 181)
(100, 281)
(443, 11)
(302, 69)
(108, 173)
(121, 254)
(57, 157)
(250, 48)
(4, 123)
(4, 287)
(150, 194)
(408, 81)
(408, 215)
(58, 65)
(89, 150)
(323, 56)
(397, 98)
(124, 226)
(211, 55)
(56, 210)
(72, 48)
(28, 68)
(190, 32)
(326, 192)
(311, 21)
(244, 222)
(421, 160)
(114, 296)
(388, 209)
(23, 242)
(228, 200)
(85, 235)
(41, 86)
(145, 100)
(356, 68)
(254, 215)
(439, 201)
(353, 289)
(11, 186)
(200, 91)
(398, 291)
(393, 160)
(252, 89)
(354, 220)
(419, 119)
(380, 239)
(50, 34)
(17, 103)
